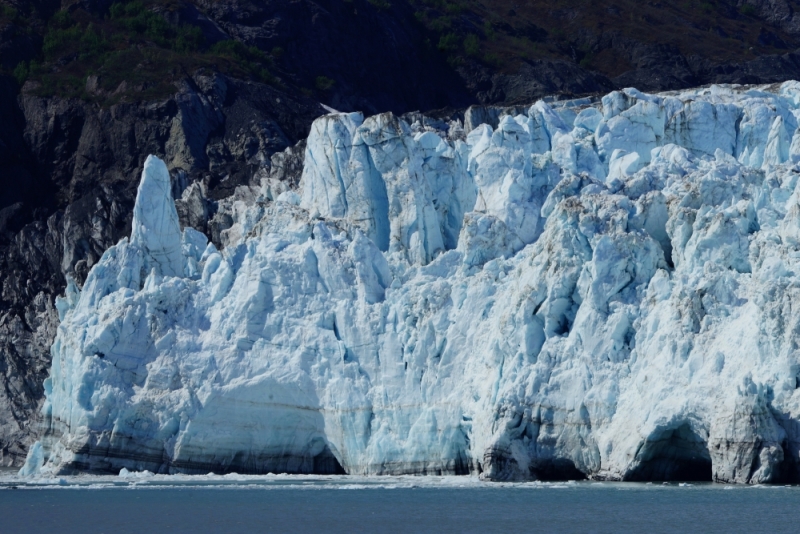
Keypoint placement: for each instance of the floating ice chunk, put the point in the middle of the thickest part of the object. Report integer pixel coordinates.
(125, 473)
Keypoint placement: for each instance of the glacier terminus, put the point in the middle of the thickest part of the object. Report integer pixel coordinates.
(603, 288)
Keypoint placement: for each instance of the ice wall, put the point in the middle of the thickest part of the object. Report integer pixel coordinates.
(604, 289)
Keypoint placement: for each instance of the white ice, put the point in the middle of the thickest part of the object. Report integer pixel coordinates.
(608, 290)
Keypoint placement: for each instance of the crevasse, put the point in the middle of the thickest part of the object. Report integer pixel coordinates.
(603, 289)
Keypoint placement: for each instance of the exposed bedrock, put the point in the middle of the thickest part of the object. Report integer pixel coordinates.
(66, 169)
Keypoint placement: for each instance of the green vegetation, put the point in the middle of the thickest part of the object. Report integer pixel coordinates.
(249, 58)
(133, 51)
(706, 7)
(748, 10)
(136, 52)
(22, 71)
(492, 60)
(134, 17)
(488, 30)
(381, 4)
(504, 33)
(441, 24)
(323, 83)
(449, 42)
(453, 9)
(8, 12)
(472, 46)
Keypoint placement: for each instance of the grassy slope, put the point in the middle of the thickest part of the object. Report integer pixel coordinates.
(136, 54)
(131, 49)
(501, 33)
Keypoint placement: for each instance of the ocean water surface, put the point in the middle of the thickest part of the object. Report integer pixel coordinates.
(280, 503)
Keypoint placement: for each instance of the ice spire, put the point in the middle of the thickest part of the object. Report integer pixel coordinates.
(155, 221)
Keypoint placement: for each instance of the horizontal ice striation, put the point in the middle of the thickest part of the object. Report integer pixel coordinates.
(605, 289)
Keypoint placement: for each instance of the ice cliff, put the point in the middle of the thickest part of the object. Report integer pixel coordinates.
(591, 288)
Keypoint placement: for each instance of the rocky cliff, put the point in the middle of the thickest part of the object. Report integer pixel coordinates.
(73, 166)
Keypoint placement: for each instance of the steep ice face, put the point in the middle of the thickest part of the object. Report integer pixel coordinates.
(590, 289)
(155, 229)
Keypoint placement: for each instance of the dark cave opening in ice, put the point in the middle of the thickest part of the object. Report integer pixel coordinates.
(672, 454)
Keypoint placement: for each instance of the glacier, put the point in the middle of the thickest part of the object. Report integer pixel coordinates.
(603, 288)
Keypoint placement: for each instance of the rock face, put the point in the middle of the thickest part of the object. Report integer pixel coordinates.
(376, 54)
(66, 168)
(382, 59)
(587, 289)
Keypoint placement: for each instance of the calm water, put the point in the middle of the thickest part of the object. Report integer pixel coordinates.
(308, 504)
